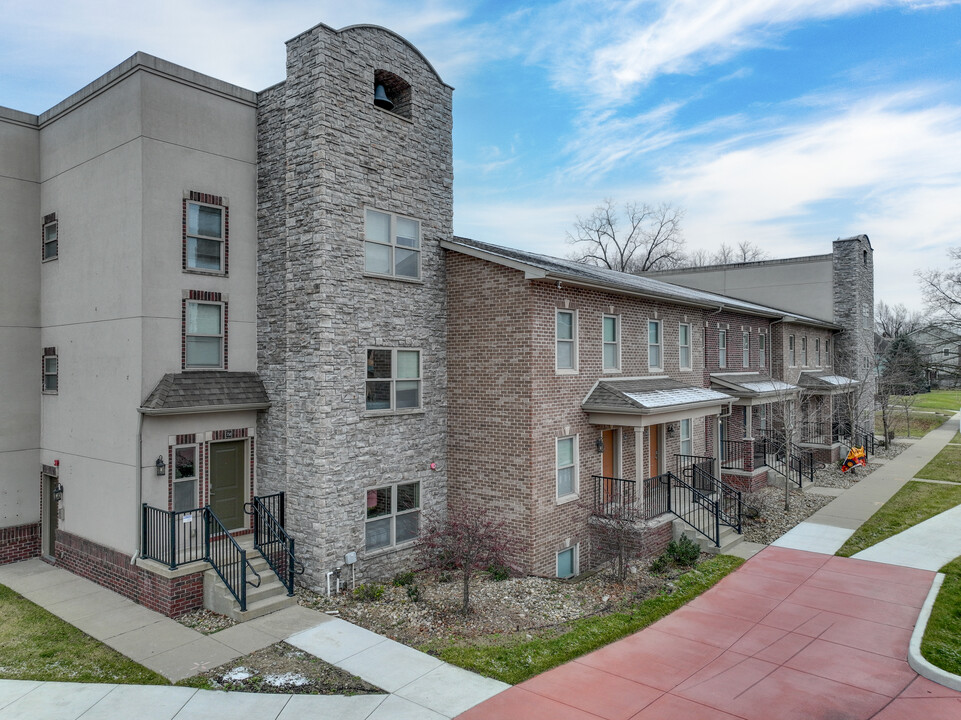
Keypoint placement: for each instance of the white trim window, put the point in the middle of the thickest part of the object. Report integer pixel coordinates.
(51, 371)
(393, 379)
(184, 493)
(655, 359)
(392, 245)
(684, 346)
(566, 341)
(762, 351)
(568, 561)
(687, 446)
(612, 342)
(722, 348)
(817, 351)
(791, 354)
(566, 466)
(827, 353)
(205, 237)
(204, 335)
(393, 515)
(746, 349)
(51, 234)
(804, 351)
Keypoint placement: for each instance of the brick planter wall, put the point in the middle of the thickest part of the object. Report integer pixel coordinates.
(19, 543)
(650, 541)
(112, 569)
(746, 483)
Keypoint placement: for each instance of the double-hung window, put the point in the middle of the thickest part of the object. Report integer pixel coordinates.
(205, 238)
(51, 371)
(722, 348)
(686, 444)
(684, 346)
(791, 356)
(392, 245)
(817, 351)
(804, 351)
(566, 466)
(612, 342)
(185, 478)
(654, 359)
(204, 337)
(51, 234)
(393, 379)
(746, 350)
(762, 351)
(566, 340)
(393, 515)
(827, 353)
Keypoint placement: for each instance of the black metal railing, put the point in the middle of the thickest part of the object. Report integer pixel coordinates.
(864, 437)
(615, 498)
(657, 495)
(172, 538)
(228, 559)
(819, 433)
(727, 498)
(272, 540)
(760, 456)
(695, 507)
(684, 464)
(801, 466)
(734, 454)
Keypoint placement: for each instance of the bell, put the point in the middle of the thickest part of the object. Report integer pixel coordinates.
(381, 99)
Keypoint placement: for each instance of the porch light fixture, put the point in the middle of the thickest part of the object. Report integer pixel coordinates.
(599, 444)
(670, 430)
(161, 467)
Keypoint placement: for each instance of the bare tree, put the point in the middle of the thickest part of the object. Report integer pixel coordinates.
(635, 239)
(744, 251)
(618, 532)
(941, 290)
(893, 321)
(788, 416)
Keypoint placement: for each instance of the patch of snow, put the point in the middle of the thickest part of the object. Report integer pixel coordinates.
(286, 680)
(237, 674)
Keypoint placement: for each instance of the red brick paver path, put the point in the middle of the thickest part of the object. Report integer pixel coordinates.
(790, 634)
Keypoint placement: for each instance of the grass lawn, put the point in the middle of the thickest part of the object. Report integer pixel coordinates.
(921, 422)
(514, 661)
(934, 400)
(35, 645)
(941, 644)
(914, 502)
(946, 465)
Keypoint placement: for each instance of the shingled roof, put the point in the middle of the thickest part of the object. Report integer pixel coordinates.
(640, 396)
(826, 382)
(206, 391)
(751, 384)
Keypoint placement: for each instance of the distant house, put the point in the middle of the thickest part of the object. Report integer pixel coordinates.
(941, 349)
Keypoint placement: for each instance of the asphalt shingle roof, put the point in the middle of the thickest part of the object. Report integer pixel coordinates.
(206, 389)
(751, 384)
(640, 395)
(825, 381)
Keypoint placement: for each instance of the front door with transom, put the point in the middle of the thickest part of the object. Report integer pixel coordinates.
(228, 491)
(610, 461)
(654, 443)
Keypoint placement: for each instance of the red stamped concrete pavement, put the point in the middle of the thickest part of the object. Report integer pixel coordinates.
(790, 634)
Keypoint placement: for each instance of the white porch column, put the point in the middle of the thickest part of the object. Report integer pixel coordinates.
(717, 445)
(639, 464)
(749, 422)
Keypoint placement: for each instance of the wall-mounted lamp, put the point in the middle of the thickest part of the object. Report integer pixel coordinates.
(58, 492)
(599, 444)
(161, 467)
(670, 430)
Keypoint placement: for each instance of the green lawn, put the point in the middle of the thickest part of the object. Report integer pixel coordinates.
(35, 645)
(946, 465)
(921, 422)
(941, 644)
(934, 400)
(913, 503)
(514, 661)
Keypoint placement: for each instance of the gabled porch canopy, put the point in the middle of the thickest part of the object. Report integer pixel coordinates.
(200, 391)
(825, 383)
(644, 401)
(753, 388)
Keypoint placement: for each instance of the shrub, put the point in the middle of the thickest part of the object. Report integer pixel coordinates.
(498, 572)
(368, 592)
(403, 578)
(684, 551)
(413, 592)
(660, 563)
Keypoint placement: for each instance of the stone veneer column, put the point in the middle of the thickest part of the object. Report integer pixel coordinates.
(853, 276)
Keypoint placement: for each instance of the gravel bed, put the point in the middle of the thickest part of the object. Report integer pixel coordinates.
(205, 621)
(831, 476)
(772, 521)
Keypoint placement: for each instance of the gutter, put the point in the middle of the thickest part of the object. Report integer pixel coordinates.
(197, 409)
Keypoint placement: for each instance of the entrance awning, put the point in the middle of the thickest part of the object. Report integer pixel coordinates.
(824, 383)
(649, 401)
(196, 391)
(750, 386)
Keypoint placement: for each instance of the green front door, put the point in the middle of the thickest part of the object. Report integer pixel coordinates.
(227, 491)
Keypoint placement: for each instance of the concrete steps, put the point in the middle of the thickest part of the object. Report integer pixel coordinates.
(730, 538)
(269, 597)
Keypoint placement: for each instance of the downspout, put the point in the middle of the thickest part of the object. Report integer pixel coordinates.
(138, 468)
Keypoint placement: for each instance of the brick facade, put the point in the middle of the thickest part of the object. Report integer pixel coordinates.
(21, 542)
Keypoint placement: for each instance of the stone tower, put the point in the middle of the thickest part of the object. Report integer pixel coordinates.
(853, 280)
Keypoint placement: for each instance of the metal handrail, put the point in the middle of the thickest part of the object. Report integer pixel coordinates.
(228, 559)
(615, 498)
(702, 512)
(170, 537)
(733, 454)
(728, 499)
(272, 540)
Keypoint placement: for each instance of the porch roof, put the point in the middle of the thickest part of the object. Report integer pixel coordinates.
(649, 396)
(824, 382)
(751, 385)
(195, 391)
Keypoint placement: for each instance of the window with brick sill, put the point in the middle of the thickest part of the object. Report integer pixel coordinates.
(392, 245)
(791, 355)
(684, 346)
(204, 335)
(722, 348)
(393, 515)
(393, 380)
(655, 359)
(565, 333)
(762, 351)
(611, 349)
(566, 466)
(205, 227)
(746, 350)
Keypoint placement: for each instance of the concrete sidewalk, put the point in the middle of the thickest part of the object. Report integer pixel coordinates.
(417, 685)
(827, 529)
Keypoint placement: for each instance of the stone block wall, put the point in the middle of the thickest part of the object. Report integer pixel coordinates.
(853, 260)
(327, 154)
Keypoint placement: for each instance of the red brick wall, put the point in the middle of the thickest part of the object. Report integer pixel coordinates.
(736, 325)
(19, 543)
(113, 570)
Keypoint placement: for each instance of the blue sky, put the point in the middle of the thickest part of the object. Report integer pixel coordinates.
(784, 122)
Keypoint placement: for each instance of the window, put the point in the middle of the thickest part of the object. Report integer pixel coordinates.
(612, 343)
(567, 562)
(684, 346)
(204, 249)
(722, 348)
(762, 351)
(393, 515)
(566, 334)
(392, 245)
(185, 478)
(51, 232)
(792, 358)
(827, 353)
(204, 338)
(566, 466)
(654, 345)
(686, 445)
(393, 379)
(746, 350)
(817, 351)
(51, 370)
(804, 351)
(762, 417)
